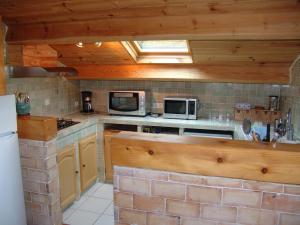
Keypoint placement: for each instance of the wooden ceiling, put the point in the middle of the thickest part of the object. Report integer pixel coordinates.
(107, 53)
(203, 53)
(66, 21)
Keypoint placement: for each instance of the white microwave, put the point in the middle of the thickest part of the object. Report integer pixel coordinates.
(181, 108)
(131, 103)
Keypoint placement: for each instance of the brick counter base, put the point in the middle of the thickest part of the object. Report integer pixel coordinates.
(40, 182)
(148, 197)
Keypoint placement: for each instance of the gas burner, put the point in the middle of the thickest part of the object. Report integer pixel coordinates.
(64, 123)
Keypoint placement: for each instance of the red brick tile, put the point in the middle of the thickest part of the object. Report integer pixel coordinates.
(237, 197)
(149, 204)
(222, 214)
(223, 182)
(150, 174)
(134, 185)
(292, 189)
(124, 200)
(186, 178)
(156, 219)
(181, 208)
(257, 217)
(282, 202)
(204, 194)
(262, 186)
(132, 217)
(289, 219)
(168, 190)
(188, 221)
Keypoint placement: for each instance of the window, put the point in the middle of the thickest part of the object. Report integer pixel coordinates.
(179, 46)
(159, 51)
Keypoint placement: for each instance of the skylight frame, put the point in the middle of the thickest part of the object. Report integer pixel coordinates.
(158, 57)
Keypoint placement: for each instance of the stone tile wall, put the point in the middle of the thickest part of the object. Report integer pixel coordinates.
(40, 182)
(215, 98)
(291, 97)
(61, 94)
(148, 197)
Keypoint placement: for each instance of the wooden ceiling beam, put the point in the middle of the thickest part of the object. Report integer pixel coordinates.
(29, 11)
(219, 27)
(267, 73)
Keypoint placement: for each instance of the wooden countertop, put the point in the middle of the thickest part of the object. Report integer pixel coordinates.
(210, 157)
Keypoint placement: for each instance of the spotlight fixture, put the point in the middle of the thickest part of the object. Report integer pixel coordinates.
(79, 45)
(98, 44)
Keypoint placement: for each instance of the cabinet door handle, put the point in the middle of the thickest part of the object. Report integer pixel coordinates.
(83, 165)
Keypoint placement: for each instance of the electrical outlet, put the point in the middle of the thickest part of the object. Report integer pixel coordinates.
(47, 102)
(76, 103)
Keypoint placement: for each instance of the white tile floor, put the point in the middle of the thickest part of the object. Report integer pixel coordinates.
(95, 207)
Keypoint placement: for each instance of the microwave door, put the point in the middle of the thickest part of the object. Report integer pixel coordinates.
(124, 102)
(175, 109)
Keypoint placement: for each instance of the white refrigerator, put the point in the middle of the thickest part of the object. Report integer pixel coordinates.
(12, 207)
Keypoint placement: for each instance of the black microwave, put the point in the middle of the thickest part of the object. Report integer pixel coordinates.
(181, 108)
(131, 103)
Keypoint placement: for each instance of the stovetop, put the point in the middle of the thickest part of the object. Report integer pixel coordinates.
(64, 123)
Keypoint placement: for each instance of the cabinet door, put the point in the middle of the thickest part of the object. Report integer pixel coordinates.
(67, 175)
(88, 161)
(107, 154)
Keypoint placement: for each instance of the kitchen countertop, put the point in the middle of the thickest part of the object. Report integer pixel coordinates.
(207, 124)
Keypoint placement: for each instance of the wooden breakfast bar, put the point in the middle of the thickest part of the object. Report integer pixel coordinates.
(166, 179)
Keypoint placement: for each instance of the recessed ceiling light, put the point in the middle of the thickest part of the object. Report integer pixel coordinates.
(79, 45)
(98, 43)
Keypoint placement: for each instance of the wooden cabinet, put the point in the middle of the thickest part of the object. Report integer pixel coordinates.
(107, 154)
(88, 161)
(67, 175)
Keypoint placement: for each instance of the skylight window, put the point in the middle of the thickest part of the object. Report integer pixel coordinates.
(159, 51)
(159, 46)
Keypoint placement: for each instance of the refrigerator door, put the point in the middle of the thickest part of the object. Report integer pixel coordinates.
(8, 115)
(12, 207)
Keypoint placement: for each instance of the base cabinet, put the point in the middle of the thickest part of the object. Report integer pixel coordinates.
(88, 161)
(67, 175)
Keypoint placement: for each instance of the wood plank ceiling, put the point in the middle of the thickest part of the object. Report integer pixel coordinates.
(73, 20)
(107, 53)
(259, 37)
(203, 53)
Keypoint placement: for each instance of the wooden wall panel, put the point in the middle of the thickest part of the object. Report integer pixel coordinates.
(267, 73)
(2, 76)
(239, 52)
(14, 55)
(39, 55)
(107, 53)
(208, 156)
(66, 22)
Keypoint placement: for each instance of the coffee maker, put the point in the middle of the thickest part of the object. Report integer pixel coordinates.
(86, 97)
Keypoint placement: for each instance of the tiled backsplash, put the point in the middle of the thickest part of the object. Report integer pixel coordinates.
(49, 96)
(290, 98)
(215, 98)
